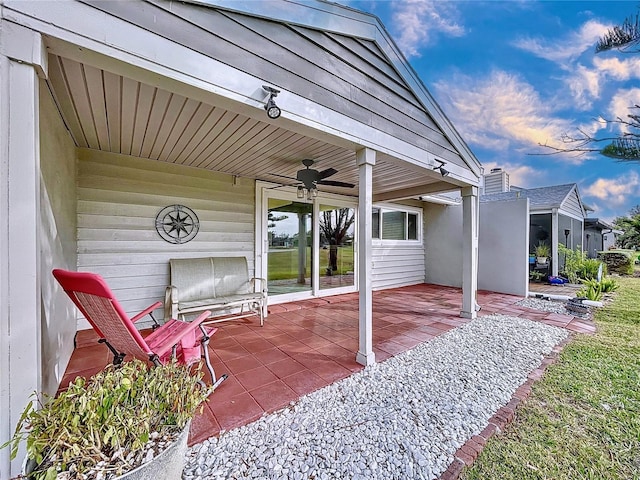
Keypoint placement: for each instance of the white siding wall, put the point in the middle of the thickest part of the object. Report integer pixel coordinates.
(57, 239)
(118, 200)
(397, 266)
(571, 205)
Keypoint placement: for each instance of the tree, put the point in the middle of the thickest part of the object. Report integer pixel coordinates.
(622, 37)
(335, 224)
(334, 227)
(630, 227)
(624, 147)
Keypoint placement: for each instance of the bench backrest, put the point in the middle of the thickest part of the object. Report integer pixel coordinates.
(209, 277)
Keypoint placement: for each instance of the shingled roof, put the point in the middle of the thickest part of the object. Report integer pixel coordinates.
(550, 197)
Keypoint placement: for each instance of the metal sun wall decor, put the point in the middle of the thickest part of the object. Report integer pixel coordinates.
(177, 224)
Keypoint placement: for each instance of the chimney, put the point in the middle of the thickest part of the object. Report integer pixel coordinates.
(496, 181)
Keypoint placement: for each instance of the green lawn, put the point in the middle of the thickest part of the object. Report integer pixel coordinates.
(582, 419)
(282, 264)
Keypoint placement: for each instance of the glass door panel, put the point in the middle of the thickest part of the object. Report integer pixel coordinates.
(337, 227)
(290, 240)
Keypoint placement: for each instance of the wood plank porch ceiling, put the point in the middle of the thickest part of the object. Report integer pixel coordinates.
(112, 113)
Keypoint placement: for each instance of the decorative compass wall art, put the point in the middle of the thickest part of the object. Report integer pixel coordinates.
(177, 224)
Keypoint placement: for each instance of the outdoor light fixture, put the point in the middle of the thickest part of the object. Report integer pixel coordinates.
(273, 111)
(309, 193)
(443, 171)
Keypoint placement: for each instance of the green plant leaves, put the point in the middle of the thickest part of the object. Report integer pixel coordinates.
(108, 417)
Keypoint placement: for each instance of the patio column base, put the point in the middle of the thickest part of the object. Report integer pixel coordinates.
(366, 358)
(470, 315)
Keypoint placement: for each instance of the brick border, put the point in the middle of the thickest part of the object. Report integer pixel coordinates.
(468, 452)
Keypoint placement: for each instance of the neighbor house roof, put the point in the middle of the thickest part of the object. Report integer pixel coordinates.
(597, 223)
(542, 198)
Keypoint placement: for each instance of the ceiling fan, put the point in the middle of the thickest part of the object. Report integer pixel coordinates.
(311, 178)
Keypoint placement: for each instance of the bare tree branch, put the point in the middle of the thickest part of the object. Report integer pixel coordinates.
(625, 146)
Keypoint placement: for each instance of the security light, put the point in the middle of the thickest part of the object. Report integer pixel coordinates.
(273, 111)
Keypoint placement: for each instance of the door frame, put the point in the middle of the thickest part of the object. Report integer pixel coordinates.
(266, 190)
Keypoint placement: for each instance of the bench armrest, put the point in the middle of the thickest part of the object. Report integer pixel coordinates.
(170, 302)
(263, 284)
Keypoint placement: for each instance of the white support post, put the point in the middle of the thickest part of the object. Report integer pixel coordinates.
(366, 159)
(555, 259)
(22, 58)
(470, 214)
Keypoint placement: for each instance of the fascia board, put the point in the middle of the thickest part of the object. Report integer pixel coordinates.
(319, 15)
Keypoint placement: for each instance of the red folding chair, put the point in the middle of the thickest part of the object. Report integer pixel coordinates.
(187, 342)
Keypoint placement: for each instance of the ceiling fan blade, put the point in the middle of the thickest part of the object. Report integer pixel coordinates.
(327, 173)
(283, 176)
(334, 183)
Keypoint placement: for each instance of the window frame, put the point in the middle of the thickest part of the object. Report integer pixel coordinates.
(407, 210)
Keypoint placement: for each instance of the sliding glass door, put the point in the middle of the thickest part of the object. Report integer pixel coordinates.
(337, 227)
(290, 246)
(308, 245)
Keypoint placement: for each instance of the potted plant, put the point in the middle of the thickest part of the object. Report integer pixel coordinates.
(543, 251)
(128, 421)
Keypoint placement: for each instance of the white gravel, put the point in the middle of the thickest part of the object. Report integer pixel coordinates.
(554, 306)
(400, 419)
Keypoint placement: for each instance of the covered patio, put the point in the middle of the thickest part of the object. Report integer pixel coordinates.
(307, 345)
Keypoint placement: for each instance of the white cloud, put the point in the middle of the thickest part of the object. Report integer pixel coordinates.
(621, 103)
(617, 69)
(565, 49)
(584, 85)
(501, 110)
(417, 21)
(587, 83)
(615, 191)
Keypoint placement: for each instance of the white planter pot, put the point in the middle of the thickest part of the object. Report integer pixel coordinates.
(168, 464)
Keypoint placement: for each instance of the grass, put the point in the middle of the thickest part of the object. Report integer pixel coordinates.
(582, 419)
(283, 264)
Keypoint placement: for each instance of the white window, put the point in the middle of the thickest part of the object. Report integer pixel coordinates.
(395, 225)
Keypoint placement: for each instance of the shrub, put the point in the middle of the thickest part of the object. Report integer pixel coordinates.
(107, 423)
(609, 285)
(618, 261)
(573, 260)
(588, 270)
(592, 290)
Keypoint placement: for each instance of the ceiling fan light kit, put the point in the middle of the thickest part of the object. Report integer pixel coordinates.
(309, 179)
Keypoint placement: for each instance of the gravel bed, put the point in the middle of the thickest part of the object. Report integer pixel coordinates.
(555, 306)
(400, 419)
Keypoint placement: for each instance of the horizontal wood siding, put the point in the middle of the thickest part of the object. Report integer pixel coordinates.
(397, 266)
(571, 205)
(118, 200)
(351, 76)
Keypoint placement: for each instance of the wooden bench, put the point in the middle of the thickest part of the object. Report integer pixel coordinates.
(219, 284)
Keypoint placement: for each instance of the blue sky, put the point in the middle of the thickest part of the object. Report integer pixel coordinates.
(513, 74)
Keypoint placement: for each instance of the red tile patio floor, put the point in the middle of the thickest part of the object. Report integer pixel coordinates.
(307, 345)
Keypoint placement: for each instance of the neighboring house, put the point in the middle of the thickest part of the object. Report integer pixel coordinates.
(598, 236)
(113, 113)
(555, 216)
